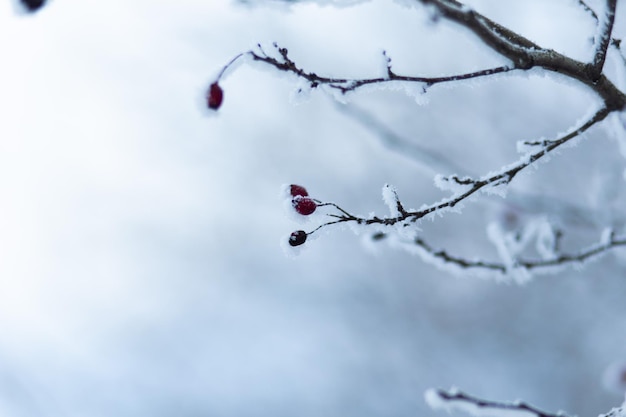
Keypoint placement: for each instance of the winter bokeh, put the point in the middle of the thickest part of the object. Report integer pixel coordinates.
(141, 267)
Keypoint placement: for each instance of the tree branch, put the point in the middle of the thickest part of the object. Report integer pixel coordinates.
(528, 264)
(454, 399)
(502, 177)
(503, 40)
(588, 9)
(346, 84)
(526, 54)
(603, 40)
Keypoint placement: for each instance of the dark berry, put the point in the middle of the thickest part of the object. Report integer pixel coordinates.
(214, 96)
(304, 205)
(297, 190)
(33, 5)
(297, 238)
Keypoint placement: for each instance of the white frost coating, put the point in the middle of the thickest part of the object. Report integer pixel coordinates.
(546, 239)
(359, 229)
(385, 63)
(616, 412)
(290, 211)
(498, 188)
(409, 246)
(414, 89)
(606, 238)
(509, 245)
(390, 198)
(301, 94)
(417, 91)
(337, 94)
(434, 401)
(443, 183)
(601, 30)
(500, 239)
(523, 147)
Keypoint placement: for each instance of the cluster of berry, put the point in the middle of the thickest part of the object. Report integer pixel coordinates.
(300, 199)
(303, 205)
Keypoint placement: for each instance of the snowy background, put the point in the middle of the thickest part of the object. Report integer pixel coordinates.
(140, 267)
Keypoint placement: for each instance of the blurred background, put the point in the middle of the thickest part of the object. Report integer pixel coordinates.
(141, 272)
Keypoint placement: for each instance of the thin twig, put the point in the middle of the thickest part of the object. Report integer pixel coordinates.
(603, 42)
(588, 9)
(450, 397)
(497, 179)
(562, 259)
(346, 84)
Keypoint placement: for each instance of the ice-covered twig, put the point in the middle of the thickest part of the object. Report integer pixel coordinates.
(603, 41)
(433, 162)
(588, 9)
(285, 63)
(499, 178)
(457, 400)
(615, 412)
(503, 40)
(525, 54)
(444, 256)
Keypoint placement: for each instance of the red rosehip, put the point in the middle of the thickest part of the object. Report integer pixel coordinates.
(214, 96)
(297, 190)
(297, 238)
(304, 205)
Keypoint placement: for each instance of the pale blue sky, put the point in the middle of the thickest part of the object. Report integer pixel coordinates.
(140, 266)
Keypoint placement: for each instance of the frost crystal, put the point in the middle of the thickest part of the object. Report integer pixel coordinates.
(390, 197)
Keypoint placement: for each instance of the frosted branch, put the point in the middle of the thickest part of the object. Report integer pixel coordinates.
(559, 259)
(615, 412)
(503, 40)
(588, 9)
(603, 41)
(471, 185)
(286, 64)
(525, 54)
(457, 400)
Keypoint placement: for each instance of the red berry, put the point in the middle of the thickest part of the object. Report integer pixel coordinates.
(214, 96)
(304, 205)
(297, 238)
(297, 190)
